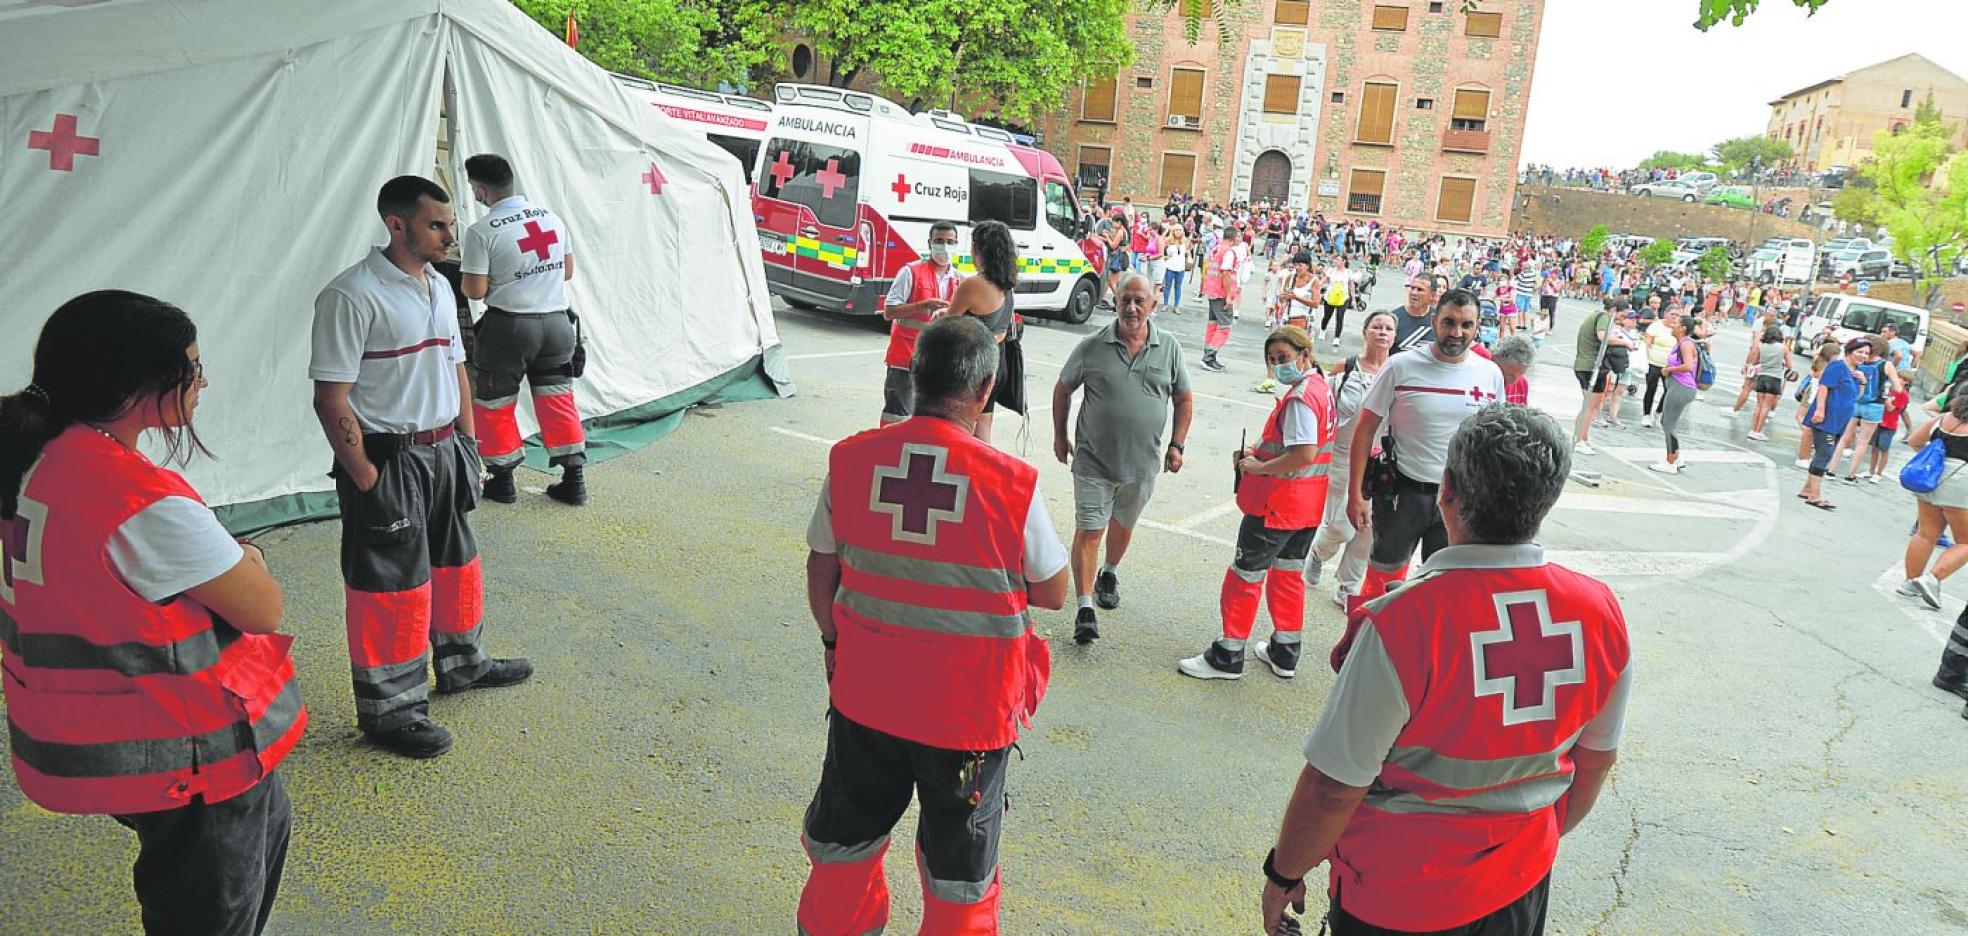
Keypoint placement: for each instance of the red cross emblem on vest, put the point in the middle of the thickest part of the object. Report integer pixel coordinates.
(917, 494)
(1527, 657)
(537, 240)
(20, 546)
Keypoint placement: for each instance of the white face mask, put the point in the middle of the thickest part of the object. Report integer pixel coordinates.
(940, 253)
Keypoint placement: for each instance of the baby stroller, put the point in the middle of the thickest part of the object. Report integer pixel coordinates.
(1488, 322)
(1364, 291)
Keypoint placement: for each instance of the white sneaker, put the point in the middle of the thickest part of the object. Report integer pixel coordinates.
(1929, 590)
(1583, 448)
(1802, 463)
(1601, 424)
(1314, 571)
(1848, 454)
(1341, 595)
(1646, 422)
(1263, 650)
(1665, 468)
(1875, 478)
(1200, 668)
(1908, 589)
(1759, 437)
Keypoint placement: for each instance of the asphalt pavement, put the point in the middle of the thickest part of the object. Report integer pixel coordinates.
(1786, 769)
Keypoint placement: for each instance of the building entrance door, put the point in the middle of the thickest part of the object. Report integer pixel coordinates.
(1271, 178)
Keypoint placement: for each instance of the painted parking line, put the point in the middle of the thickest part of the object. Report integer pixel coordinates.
(1692, 456)
(1929, 620)
(834, 354)
(1198, 519)
(803, 436)
(1654, 507)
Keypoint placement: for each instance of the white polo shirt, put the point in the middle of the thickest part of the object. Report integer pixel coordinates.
(396, 339)
(1424, 401)
(522, 251)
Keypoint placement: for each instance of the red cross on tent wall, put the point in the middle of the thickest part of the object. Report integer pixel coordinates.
(63, 143)
(655, 179)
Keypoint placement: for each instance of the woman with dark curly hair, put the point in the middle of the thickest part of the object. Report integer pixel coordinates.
(988, 296)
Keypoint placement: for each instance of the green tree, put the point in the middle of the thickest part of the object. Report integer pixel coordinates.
(690, 42)
(1929, 223)
(1735, 12)
(1594, 241)
(1669, 159)
(1014, 58)
(1656, 253)
(1714, 265)
(1740, 152)
(1857, 205)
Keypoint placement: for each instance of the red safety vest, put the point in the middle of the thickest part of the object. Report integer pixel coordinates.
(935, 643)
(1501, 668)
(1216, 283)
(926, 283)
(1298, 500)
(116, 704)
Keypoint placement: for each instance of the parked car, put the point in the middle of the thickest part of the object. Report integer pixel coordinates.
(1837, 247)
(1855, 316)
(1791, 261)
(1701, 179)
(1872, 264)
(1669, 188)
(1731, 196)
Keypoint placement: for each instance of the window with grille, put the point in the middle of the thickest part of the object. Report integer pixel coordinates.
(1457, 201)
(1376, 113)
(1363, 195)
(1092, 171)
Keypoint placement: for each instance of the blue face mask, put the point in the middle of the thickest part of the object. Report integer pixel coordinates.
(1287, 372)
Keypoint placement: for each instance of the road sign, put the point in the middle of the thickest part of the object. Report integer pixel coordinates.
(1865, 286)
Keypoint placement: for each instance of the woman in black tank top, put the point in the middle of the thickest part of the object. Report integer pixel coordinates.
(988, 296)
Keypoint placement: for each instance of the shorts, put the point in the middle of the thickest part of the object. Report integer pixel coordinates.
(1403, 518)
(1883, 439)
(1096, 501)
(1769, 385)
(1586, 381)
(1548, 303)
(1870, 412)
(898, 395)
(1119, 262)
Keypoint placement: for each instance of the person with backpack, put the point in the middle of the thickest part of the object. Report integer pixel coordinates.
(1334, 320)
(1880, 381)
(1682, 364)
(1350, 386)
(1943, 509)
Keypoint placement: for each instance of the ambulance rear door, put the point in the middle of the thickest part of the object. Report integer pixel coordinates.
(909, 189)
(809, 185)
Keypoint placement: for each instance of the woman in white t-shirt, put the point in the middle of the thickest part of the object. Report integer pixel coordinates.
(138, 620)
(1350, 383)
(1175, 268)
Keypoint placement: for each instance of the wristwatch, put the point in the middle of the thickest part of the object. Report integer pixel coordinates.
(1271, 872)
(1178, 447)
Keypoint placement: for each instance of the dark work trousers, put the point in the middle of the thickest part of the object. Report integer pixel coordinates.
(1954, 656)
(536, 348)
(1521, 917)
(212, 869)
(411, 574)
(1405, 517)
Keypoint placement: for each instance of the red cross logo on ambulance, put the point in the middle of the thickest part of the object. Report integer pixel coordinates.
(1527, 658)
(917, 494)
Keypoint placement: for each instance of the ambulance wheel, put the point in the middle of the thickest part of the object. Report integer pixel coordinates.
(1079, 305)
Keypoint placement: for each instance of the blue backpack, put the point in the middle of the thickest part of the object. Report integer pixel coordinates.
(1922, 473)
(1705, 370)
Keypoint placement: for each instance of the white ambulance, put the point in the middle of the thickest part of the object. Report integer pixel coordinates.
(847, 185)
(732, 121)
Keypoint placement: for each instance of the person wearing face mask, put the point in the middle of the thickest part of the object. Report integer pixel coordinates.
(1281, 489)
(518, 259)
(921, 292)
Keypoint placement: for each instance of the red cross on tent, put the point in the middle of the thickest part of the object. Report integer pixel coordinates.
(537, 240)
(1527, 657)
(63, 143)
(830, 178)
(917, 494)
(900, 188)
(782, 169)
(654, 178)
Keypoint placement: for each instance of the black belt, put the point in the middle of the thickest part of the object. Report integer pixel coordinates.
(426, 437)
(517, 314)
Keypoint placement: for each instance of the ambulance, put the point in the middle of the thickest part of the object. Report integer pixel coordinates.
(847, 185)
(734, 122)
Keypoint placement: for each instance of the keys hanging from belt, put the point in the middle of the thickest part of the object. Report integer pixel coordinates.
(970, 776)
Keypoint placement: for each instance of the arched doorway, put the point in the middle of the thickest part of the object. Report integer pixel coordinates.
(1271, 178)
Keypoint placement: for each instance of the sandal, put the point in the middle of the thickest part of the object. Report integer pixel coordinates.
(1822, 504)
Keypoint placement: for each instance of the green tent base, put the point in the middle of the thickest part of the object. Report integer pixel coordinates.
(609, 436)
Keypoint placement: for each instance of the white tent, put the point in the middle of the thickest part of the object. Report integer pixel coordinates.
(224, 155)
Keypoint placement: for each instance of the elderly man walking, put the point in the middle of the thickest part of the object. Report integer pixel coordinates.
(1475, 720)
(1133, 376)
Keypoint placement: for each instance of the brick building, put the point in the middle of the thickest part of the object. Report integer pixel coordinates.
(1409, 112)
(1832, 123)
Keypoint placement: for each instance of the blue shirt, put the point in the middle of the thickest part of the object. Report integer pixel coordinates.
(1841, 397)
(1900, 352)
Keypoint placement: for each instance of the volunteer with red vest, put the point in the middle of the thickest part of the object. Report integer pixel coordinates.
(1476, 717)
(919, 294)
(928, 546)
(1281, 489)
(518, 259)
(1223, 287)
(389, 389)
(145, 678)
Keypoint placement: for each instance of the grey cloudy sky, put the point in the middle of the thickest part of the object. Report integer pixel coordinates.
(1618, 79)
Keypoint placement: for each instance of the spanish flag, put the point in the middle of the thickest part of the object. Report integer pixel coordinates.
(573, 32)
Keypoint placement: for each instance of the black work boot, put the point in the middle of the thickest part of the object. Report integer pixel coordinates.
(1953, 674)
(1281, 657)
(419, 739)
(572, 488)
(1214, 663)
(500, 487)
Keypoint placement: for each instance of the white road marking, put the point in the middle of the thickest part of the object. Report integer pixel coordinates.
(1603, 563)
(801, 435)
(1198, 519)
(1263, 406)
(1644, 507)
(1179, 531)
(1692, 456)
(1887, 585)
(835, 354)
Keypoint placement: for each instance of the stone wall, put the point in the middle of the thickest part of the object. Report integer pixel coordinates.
(1566, 212)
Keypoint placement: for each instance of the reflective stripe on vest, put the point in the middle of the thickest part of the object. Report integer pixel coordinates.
(1295, 500)
(193, 654)
(158, 755)
(1463, 785)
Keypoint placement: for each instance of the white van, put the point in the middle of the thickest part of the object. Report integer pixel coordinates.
(848, 184)
(1856, 316)
(1793, 261)
(734, 122)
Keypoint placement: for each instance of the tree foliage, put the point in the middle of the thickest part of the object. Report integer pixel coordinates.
(1014, 58)
(1736, 12)
(1742, 152)
(1929, 223)
(1656, 253)
(1669, 159)
(1714, 265)
(699, 43)
(1857, 205)
(1594, 241)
